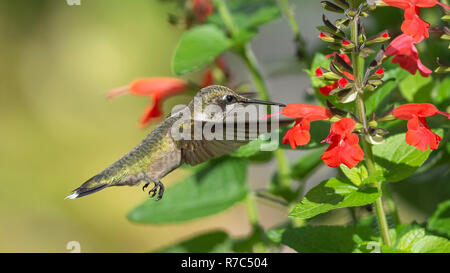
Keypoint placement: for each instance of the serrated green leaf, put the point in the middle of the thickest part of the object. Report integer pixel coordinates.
(332, 194)
(396, 159)
(213, 188)
(248, 14)
(199, 46)
(321, 239)
(416, 240)
(356, 175)
(440, 220)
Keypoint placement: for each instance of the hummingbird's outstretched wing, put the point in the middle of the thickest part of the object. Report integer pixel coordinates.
(194, 151)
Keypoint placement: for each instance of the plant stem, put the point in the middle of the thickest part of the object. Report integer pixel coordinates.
(301, 47)
(252, 210)
(226, 17)
(367, 147)
(246, 53)
(250, 60)
(391, 205)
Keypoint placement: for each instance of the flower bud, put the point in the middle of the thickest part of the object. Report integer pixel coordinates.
(347, 44)
(328, 37)
(342, 3)
(331, 7)
(379, 38)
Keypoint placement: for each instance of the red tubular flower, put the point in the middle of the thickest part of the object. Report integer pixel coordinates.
(342, 82)
(419, 134)
(202, 9)
(344, 148)
(208, 78)
(406, 55)
(304, 113)
(326, 90)
(158, 89)
(413, 25)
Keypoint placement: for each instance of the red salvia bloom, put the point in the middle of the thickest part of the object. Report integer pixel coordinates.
(406, 55)
(344, 148)
(202, 9)
(208, 78)
(304, 113)
(419, 134)
(157, 89)
(342, 82)
(413, 25)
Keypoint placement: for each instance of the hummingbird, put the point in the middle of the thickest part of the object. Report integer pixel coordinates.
(159, 153)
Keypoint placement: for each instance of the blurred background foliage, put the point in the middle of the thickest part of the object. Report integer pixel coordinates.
(58, 129)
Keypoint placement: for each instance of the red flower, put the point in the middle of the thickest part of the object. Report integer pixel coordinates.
(406, 55)
(342, 82)
(299, 134)
(305, 113)
(419, 134)
(326, 90)
(344, 148)
(157, 89)
(208, 78)
(202, 9)
(413, 25)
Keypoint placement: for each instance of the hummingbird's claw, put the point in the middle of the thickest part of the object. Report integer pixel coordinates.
(145, 186)
(161, 191)
(153, 191)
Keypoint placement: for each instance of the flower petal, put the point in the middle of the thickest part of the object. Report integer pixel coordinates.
(307, 111)
(420, 136)
(410, 110)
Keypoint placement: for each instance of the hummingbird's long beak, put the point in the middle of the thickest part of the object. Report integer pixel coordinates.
(263, 102)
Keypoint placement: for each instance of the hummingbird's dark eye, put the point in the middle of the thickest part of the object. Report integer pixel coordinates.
(230, 98)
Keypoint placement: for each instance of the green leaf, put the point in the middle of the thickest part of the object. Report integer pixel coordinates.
(443, 93)
(212, 242)
(416, 240)
(252, 148)
(199, 46)
(440, 220)
(396, 159)
(248, 14)
(356, 175)
(321, 239)
(213, 188)
(416, 88)
(332, 194)
(217, 242)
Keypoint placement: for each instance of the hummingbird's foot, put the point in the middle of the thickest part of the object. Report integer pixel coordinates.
(145, 186)
(153, 191)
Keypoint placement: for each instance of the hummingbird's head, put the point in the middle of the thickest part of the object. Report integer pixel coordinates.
(216, 102)
(224, 96)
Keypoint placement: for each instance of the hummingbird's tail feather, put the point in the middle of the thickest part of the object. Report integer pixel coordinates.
(94, 184)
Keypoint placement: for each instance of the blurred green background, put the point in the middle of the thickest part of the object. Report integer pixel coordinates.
(58, 129)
